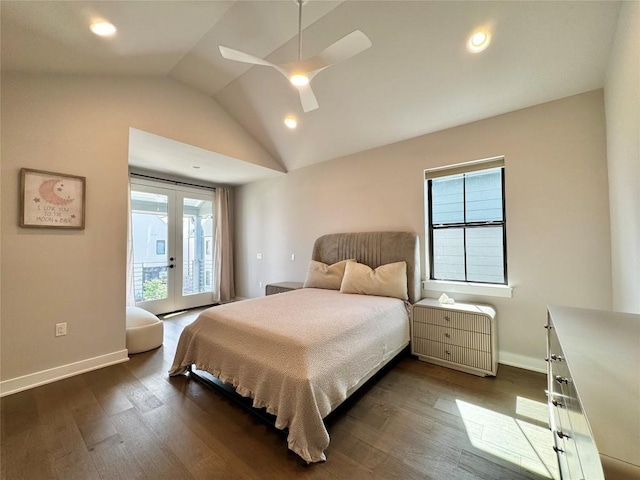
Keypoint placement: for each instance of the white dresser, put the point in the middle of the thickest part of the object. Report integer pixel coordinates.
(594, 392)
(459, 335)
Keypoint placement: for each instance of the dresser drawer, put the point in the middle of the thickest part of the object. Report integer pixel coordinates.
(452, 319)
(453, 336)
(452, 353)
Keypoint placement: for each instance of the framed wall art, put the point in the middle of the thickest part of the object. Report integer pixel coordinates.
(51, 200)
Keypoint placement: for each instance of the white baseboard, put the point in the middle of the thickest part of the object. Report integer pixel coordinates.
(520, 361)
(18, 384)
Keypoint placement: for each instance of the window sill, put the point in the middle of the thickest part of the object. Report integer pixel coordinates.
(484, 289)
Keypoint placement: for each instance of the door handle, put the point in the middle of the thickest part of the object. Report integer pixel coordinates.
(171, 266)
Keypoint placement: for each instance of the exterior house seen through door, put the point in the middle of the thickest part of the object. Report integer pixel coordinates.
(173, 246)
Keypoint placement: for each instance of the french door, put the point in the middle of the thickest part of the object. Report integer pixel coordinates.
(173, 231)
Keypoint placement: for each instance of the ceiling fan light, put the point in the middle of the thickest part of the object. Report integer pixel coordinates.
(478, 41)
(299, 79)
(291, 122)
(103, 29)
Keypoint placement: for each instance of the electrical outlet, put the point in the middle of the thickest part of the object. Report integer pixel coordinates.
(259, 256)
(61, 329)
(260, 284)
(293, 257)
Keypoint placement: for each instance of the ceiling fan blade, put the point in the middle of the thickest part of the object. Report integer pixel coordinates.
(238, 56)
(345, 48)
(307, 98)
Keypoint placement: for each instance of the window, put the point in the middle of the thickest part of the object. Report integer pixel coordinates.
(161, 247)
(466, 223)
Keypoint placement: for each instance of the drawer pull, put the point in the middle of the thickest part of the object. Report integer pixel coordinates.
(554, 358)
(447, 335)
(447, 352)
(561, 380)
(548, 327)
(562, 435)
(557, 450)
(446, 318)
(557, 404)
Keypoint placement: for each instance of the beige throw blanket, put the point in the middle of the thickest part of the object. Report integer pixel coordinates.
(297, 353)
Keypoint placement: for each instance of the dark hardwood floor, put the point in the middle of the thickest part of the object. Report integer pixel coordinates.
(131, 421)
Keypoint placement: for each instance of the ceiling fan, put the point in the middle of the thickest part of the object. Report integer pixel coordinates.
(300, 72)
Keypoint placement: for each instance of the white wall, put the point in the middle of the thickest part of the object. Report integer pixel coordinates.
(556, 200)
(80, 126)
(622, 101)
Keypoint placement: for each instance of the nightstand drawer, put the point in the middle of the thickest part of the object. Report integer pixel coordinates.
(451, 353)
(453, 336)
(453, 319)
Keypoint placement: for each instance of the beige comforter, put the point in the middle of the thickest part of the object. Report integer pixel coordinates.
(297, 353)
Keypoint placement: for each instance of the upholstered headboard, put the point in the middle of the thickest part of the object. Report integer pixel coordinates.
(374, 249)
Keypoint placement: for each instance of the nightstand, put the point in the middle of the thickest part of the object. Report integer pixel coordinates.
(459, 335)
(282, 287)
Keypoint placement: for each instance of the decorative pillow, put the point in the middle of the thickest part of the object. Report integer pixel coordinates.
(388, 280)
(321, 275)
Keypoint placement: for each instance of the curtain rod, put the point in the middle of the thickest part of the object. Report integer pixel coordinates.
(174, 182)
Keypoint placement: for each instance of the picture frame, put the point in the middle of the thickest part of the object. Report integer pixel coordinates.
(51, 200)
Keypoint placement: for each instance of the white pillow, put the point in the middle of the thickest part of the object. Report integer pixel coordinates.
(321, 275)
(388, 280)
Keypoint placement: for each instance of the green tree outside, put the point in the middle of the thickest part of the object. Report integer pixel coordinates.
(154, 289)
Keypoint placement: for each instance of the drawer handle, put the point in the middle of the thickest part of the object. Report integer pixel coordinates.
(557, 404)
(557, 450)
(447, 335)
(548, 327)
(447, 352)
(554, 358)
(561, 380)
(562, 435)
(446, 318)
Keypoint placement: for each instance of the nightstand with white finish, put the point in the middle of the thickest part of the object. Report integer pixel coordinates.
(461, 336)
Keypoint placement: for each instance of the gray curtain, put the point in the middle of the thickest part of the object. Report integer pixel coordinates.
(224, 288)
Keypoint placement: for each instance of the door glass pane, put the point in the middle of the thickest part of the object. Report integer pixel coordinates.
(149, 225)
(197, 247)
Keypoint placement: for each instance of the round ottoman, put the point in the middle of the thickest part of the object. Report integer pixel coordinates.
(144, 330)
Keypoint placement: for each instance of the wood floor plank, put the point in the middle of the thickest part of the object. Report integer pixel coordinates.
(157, 461)
(67, 450)
(203, 462)
(115, 461)
(24, 455)
(19, 413)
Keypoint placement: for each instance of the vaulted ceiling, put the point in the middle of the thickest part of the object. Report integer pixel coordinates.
(417, 78)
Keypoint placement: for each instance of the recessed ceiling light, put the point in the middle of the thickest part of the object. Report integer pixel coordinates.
(291, 122)
(103, 29)
(299, 79)
(478, 41)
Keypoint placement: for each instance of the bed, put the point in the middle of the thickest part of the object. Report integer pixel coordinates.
(301, 354)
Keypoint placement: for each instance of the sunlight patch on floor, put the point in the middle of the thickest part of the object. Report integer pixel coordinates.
(532, 409)
(519, 442)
